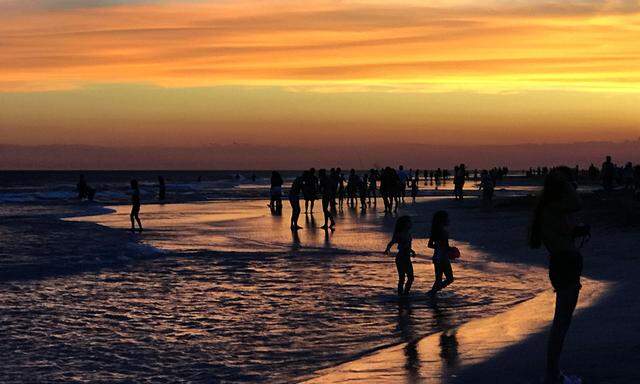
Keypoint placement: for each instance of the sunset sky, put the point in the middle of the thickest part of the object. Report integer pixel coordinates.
(188, 73)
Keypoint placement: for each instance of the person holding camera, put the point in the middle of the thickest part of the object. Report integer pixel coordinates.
(555, 227)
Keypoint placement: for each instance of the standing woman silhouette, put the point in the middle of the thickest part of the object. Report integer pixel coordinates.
(402, 237)
(439, 242)
(135, 206)
(555, 227)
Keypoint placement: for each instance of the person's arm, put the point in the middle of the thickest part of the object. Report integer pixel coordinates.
(432, 243)
(394, 240)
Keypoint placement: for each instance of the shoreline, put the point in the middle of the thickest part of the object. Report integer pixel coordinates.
(485, 356)
(501, 247)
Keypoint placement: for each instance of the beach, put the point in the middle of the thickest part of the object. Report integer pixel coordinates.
(220, 291)
(510, 347)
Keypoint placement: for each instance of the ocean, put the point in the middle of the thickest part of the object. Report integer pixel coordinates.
(216, 289)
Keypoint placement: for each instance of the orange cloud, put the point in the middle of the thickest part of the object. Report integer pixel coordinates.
(324, 45)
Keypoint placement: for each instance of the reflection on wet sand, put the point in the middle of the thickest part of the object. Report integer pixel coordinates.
(441, 357)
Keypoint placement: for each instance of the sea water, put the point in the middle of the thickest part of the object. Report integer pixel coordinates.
(218, 291)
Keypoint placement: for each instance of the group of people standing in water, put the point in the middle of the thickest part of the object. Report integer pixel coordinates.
(443, 253)
(336, 190)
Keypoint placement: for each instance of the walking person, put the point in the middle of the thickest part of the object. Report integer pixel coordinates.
(439, 242)
(326, 185)
(162, 188)
(459, 176)
(310, 190)
(402, 237)
(294, 200)
(341, 189)
(275, 193)
(135, 206)
(373, 180)
(486, 186)
(555, 226)
(414, 186)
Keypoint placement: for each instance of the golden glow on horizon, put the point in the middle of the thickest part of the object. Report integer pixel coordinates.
(556, 50)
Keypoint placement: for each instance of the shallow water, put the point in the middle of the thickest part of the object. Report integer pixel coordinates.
(237, 299)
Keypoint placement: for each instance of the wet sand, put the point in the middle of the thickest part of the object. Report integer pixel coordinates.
(476, 333)
(602, 345)
(236, 298)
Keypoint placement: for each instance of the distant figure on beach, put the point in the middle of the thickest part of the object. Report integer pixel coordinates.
(402, 183)
(373, 186)
(363, 187)
(162, 188)
(310, 190)
(608, 174)
(275, 192)
(135, 206)
(326, 188)
(352, 188)
(294, 200)
(414, 186)
(402, 237)
(341, 189)
(459, 176)
(334, 180)
(84, 190)
(439, 242)
(486, 186)
(555, 226)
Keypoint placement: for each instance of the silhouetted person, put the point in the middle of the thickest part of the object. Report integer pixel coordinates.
(439, 242)
(459, 176)
(253, 177)
(341, 189)
(162, 189)
(487, 187)
(555, 227)
(373, 186)
(608, 174)
(310, 190)
(334, 180)
(326, 185)
(437, 175)
(275, 193)
(414, 186)
(294, 200)
(402, 183)
(135, 206)
(363, 187)
(402, 237)
(386, 184)
(84, 190)
(352, 188)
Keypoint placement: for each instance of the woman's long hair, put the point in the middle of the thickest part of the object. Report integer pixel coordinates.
(553, 190)
(402, 224)
(438, 223)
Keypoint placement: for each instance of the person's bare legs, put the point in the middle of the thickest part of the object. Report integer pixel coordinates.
(139, 222)
(566, 300)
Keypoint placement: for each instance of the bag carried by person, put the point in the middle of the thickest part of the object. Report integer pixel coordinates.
(453, 253)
